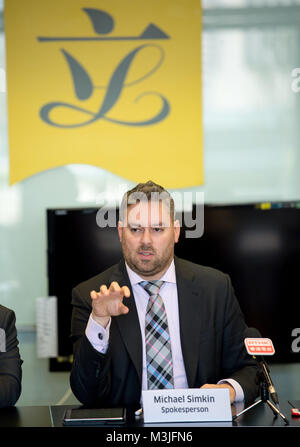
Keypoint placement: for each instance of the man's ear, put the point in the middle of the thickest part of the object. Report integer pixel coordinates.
(176, 230)
(120, 230)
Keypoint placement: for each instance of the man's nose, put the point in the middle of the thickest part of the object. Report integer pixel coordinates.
(146, 236)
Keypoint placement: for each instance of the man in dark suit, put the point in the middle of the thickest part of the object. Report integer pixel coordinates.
(10, 362)
(202, 318)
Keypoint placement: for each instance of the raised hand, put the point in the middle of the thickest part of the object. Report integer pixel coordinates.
(109, 302)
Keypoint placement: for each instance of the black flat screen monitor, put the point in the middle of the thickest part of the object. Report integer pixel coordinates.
(259, 248)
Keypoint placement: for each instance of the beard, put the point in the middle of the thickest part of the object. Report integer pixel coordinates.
(158, 263)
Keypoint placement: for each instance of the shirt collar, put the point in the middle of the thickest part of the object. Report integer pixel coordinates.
(169, 276)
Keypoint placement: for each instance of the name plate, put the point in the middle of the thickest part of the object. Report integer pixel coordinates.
(187, 405)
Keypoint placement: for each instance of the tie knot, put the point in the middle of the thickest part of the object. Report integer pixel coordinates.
(152, 287)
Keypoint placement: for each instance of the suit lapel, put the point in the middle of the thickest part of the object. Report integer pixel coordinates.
(189, 301)
(129, 324)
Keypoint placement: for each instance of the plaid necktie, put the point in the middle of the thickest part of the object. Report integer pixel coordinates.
(158, 346)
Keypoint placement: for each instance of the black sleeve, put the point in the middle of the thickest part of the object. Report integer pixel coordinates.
(90, 375)
(10, 362)
(237, 364)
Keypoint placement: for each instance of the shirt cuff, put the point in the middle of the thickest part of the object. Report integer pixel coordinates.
(97, 335)
(239, 393)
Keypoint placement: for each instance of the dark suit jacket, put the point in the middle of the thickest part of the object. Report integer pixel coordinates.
(211, 330)
(10, 362)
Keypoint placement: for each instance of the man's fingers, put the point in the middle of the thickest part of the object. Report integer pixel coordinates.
(108, 302)
(114, 287)
(124, 309)
(232, 391)
(103, 290)
(125, 291)
(94, 295)
(122, 291)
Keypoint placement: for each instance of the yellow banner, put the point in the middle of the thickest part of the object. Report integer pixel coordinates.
(110, 83)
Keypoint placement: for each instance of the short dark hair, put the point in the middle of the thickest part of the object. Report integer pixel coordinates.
(146, 192)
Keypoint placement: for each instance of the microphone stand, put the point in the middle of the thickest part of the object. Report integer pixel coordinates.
(264, 381)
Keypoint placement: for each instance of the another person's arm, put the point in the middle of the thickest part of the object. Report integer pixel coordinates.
(10, 362)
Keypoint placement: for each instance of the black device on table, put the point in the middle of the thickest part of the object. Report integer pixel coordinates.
(94, 416)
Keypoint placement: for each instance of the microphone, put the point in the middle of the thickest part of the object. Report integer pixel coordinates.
(258, 346)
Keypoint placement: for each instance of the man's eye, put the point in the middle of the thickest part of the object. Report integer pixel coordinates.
(135, 230)
(157, 229)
